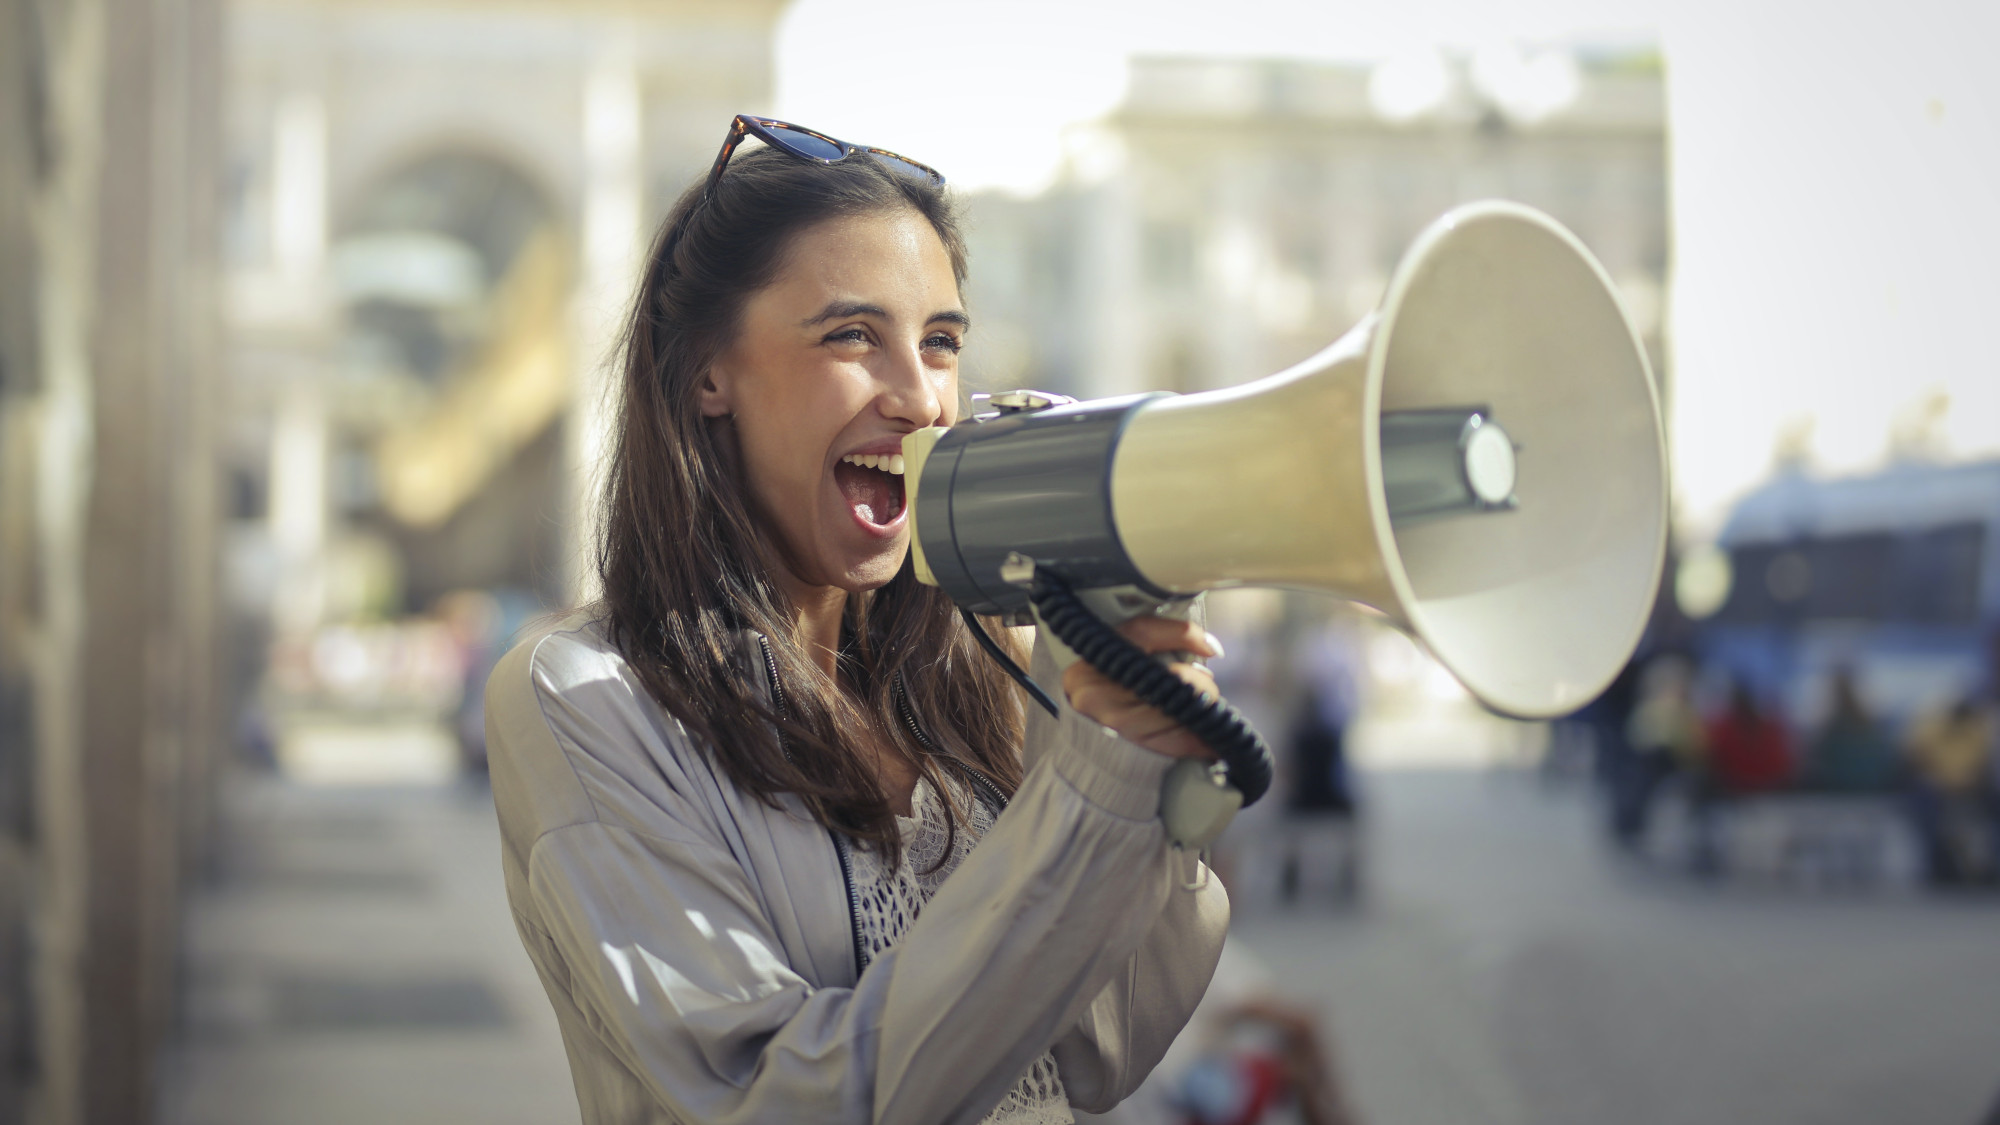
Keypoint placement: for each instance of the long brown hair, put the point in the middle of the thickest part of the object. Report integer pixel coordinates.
(686, 566)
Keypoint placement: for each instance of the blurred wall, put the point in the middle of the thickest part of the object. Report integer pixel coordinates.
(433, 222)
(108, 508)
(433, 219)
(1234, 216)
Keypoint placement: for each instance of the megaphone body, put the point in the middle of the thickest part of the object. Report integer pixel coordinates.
(1481, 460)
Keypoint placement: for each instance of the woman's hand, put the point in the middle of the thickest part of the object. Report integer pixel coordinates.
(1094, 695)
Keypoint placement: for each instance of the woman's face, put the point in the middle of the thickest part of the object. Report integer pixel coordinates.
(852, 346)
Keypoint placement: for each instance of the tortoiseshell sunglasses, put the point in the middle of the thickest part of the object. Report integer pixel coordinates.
(806, 144)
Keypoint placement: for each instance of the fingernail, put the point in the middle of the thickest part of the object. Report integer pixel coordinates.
(1215, 643)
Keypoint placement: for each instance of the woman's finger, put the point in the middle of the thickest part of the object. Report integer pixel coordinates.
(1083, 674)
(1168, 634)
(1095, 695)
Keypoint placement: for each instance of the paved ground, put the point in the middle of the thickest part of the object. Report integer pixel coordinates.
(356, 964)
(1505, 971)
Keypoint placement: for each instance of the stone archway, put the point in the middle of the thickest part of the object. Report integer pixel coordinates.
(454, 280)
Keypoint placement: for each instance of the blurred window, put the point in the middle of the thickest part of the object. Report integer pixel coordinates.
(1302, 178)
(247, 499)
(1930, 577)
(1301, 248)
(1169, 255)
(1179, 370)
(354, 479)
(1047, 264)
(1938, 575)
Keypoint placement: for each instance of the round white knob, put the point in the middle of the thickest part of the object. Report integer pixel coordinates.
(1489, 463)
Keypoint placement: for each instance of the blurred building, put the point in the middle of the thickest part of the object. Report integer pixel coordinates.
(109, 707)
(1234, 216)
(433, 222)
(1888, 579)
(303, 308)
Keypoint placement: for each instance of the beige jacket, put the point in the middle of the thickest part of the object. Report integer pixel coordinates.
(698, 945)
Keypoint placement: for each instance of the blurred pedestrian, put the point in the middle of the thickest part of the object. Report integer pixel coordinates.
(1950, 754)
(739, 798)
(1607, 718)
(1851, 752)
(1666, 739)
(1746, 752)
(474, 620)
(1321, 805)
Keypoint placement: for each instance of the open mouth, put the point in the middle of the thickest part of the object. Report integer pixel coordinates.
(873, 486)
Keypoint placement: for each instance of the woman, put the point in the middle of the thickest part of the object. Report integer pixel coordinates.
(738, 797)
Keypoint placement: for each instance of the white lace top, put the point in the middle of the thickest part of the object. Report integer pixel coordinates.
(890, 900)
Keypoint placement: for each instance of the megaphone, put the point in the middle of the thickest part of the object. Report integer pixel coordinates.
(1481, 460)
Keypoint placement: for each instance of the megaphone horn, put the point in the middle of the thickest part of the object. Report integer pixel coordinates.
(1480, 459)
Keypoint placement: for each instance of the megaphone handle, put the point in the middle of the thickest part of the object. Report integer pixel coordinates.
(1210, 718)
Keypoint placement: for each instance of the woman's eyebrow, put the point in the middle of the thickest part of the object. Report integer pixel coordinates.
(842, 309)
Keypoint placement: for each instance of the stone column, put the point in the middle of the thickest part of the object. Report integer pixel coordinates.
(613, 244)
(107, 595)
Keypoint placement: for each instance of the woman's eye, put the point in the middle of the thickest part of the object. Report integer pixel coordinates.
(848, 336)
(942, 342)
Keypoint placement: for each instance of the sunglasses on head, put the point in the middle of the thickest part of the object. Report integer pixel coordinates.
(806, 144)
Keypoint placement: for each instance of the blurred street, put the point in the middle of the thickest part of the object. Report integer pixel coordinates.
(1508, 968)
(357, 964)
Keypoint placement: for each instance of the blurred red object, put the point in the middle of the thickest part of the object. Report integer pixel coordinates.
(1748, 751)
(1235, 1089)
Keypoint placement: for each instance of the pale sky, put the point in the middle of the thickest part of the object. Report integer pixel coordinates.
(982, 88)
(1837, 249)
(1835, 171)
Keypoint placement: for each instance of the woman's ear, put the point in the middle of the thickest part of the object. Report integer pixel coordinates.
(716, 401)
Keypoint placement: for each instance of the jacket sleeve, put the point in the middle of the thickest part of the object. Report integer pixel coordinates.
(676, 969)
(1126, 1030)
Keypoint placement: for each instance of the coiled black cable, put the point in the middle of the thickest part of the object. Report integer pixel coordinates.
(1212, 720)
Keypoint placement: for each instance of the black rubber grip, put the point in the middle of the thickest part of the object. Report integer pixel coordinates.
(1212, 720)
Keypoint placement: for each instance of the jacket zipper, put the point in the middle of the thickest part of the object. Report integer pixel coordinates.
(988, 791)
(839, 842)
(777, 689)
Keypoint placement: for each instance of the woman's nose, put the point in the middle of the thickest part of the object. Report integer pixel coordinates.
(910, 391)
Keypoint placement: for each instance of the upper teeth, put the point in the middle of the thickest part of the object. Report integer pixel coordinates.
(887, 462)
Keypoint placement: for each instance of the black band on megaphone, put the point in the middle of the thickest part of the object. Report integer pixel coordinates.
(1209, 717)
(1034, 482)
